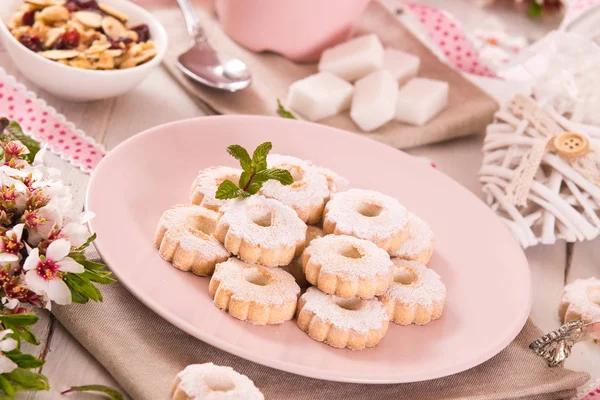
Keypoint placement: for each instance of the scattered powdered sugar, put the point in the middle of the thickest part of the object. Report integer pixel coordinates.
(256, 283)
(264, 222)
(206, 183)
(209, 381)
(355, 314)
(177, 215)
(420, 238)
(335, 182)
(583, 296)
(421, 285)
(366, 214)
(348, 256)
(308, 190)
(206, 246)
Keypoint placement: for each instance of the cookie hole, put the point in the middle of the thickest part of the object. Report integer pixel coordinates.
(219, 382)
(405, 276)
(369, 209)
(233, 178)
(348, 304)
(256, 277)
(350, 251)
(202, 224)
(594, 296)
(261, 216)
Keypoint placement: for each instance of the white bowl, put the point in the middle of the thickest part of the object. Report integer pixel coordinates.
(76, 83)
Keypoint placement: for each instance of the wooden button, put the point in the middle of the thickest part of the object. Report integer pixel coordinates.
(571, 144)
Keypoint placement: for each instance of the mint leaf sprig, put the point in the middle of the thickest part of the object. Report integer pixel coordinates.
(281, 110)
(255, 173)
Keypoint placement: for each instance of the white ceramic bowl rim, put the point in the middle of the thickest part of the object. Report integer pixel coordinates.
(151, 21)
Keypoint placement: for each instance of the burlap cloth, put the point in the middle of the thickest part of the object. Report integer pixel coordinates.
(468, 112)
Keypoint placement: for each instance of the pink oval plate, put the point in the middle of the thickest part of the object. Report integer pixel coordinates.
(486, 273)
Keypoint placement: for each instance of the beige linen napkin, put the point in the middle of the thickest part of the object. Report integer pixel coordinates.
(469, 110)
(144, 353)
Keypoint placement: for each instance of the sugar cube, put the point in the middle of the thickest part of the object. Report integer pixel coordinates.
(420, 100)
(320, 96)
(402, 65)
(353, 59)
(374, 101)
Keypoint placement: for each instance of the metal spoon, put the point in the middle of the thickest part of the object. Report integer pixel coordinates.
(203, 64)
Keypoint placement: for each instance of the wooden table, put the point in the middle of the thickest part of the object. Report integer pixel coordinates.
(159, 100)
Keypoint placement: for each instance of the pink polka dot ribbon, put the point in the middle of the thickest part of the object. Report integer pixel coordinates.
(46, 125)
(451, 39)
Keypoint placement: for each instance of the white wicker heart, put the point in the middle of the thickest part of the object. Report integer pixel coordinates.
(561, 198)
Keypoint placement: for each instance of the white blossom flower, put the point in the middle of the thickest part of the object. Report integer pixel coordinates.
(40, 223)
(10, 244)
(9, 303)
(7, 344)
(76, 231)
(44, 273)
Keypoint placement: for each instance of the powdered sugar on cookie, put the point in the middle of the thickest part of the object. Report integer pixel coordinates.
(208, 180)
(308, 193)
(357, 315)
(415, 284)
(418, 246)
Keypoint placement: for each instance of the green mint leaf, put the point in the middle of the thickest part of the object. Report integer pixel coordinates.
(107, 390)
(87, 243)
(535, 9)
(245, 178)
(26, 361)
(259, 157)
(253, 188)
(27, 380)
(6, 387)
(281, 175)
(283, 112)
(228, 190)
(241, 154)
(19, 319)
(16, 133)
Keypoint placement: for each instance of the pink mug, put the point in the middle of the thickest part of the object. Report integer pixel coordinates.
(298, 29)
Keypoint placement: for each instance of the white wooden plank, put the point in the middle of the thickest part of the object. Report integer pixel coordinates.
(71, 365)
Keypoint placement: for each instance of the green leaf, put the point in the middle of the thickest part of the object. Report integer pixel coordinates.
(283, 112)
(82, 286)
(259, 157)
(26, 361)
(19, 319)
(6, 387)
(228, 190)
(245, 178)
(99, 277)
(28, 335)
(87, 243)
(28, 380)
(535, 9)
(110, 392)
(91, 265)
(241, 154)
(253, 188)
(77, 298)
(281, 175)
(16, 133)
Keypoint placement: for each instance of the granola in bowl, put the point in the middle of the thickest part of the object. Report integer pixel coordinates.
(82, 33)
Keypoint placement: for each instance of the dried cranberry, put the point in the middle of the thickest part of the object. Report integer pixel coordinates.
(32, 42)
(119, 43)
(76, 5)
(71, 38)
(28, 17)
(142, 31)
